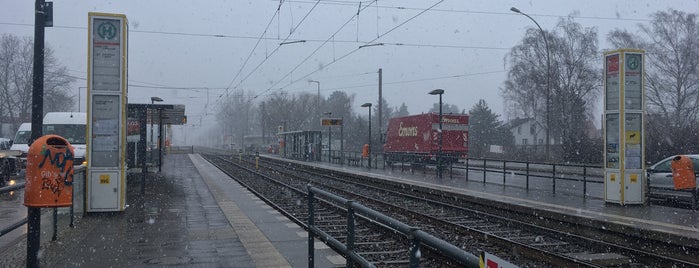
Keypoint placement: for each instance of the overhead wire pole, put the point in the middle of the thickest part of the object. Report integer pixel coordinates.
(380, 106)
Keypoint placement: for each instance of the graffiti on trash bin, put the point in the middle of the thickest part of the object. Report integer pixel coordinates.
(51, 179)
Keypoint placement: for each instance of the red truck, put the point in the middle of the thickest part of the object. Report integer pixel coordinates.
(415, 138)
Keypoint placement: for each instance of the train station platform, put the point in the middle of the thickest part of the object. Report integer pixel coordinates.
(653, 221)
(191, 215)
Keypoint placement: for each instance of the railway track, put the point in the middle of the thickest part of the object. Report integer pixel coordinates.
(526, 240)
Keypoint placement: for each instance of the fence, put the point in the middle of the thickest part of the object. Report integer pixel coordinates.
(78, 202)
(416, 235)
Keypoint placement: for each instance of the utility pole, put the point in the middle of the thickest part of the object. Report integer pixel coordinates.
(380, 106)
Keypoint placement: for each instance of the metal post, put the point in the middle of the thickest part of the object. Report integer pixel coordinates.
(527, 175)
(504, 172)
(584, 182)
(414, 248)
(467, 169)
(160, 140)
(484, 170)
(34, 214)
(311, 248)
(142, 147)
(350, 232)
(439, 153)
(554, 179)
(330, 150)
(54, 237)
(342, 142)
(380, 102)
(369, 162)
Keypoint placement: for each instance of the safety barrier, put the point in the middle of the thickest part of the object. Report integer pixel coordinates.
(416, 235)
(78, 202)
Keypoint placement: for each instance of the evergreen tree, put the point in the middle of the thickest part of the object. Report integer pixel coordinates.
(485, 129)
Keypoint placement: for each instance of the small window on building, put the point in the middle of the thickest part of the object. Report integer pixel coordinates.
(524, 141)
(532, 130)
(519, 129)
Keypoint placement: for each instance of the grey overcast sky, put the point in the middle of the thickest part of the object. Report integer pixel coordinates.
(456, 45)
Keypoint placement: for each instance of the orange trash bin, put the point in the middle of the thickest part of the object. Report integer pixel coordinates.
(365, 150)
(49, 176)
(683, 173)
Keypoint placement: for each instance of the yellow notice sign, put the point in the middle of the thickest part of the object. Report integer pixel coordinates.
(633, 178)
(104, 178)
(633, 137)
(612, 177)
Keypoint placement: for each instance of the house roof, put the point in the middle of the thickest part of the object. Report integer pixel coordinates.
(517, 122)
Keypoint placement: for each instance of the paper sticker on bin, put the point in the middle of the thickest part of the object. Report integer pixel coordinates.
(49, 176)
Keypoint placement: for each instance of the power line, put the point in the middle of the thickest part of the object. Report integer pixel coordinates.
(276, 13)
(277, 48)
(348, 3)
(313, 53)
(410, 81)
(350, 53)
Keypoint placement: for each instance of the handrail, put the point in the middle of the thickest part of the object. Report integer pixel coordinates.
(416, 235)
(19, 186)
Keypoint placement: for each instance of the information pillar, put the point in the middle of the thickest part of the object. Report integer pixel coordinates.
(624, 115)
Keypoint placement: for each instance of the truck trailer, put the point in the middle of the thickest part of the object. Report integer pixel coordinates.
(415, 139)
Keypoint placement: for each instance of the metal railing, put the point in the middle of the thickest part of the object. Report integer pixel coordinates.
(415, 235)
(78, 182)
(576, 173)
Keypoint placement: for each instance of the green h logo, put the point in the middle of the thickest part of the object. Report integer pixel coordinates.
(107, 31)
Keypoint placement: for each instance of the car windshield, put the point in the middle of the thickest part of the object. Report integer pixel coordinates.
(75, 134)
(23, 136)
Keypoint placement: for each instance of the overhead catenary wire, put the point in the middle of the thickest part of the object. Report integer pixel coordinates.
(312, 53)
(276, 13)
(408, 81)
(277, 48)
(346, 55)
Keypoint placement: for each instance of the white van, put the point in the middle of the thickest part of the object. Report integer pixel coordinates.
(24, 133)
(72, 127)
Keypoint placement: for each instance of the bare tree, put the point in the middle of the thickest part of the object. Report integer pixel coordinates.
(672, 70)
(574, 82)
(671, 41)
(16, 59)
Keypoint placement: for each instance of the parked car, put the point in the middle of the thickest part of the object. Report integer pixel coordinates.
(660, 173)
(5, 143)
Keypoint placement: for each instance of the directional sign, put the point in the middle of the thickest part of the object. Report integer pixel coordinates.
(331, 122)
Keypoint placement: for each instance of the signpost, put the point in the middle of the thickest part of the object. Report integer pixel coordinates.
(107, 124)
(330, 122)
(624, 109)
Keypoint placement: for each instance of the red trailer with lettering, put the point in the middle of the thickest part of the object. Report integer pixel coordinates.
(415, 138)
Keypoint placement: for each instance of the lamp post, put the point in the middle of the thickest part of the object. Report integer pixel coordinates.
(368, 104)
(330, 152)
(152, 101)
(439, 131)
(548, 76)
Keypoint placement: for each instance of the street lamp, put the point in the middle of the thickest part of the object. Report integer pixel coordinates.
(439, 131)
(368, 104)
(152, 101)
(548, 76)
(330, 152)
